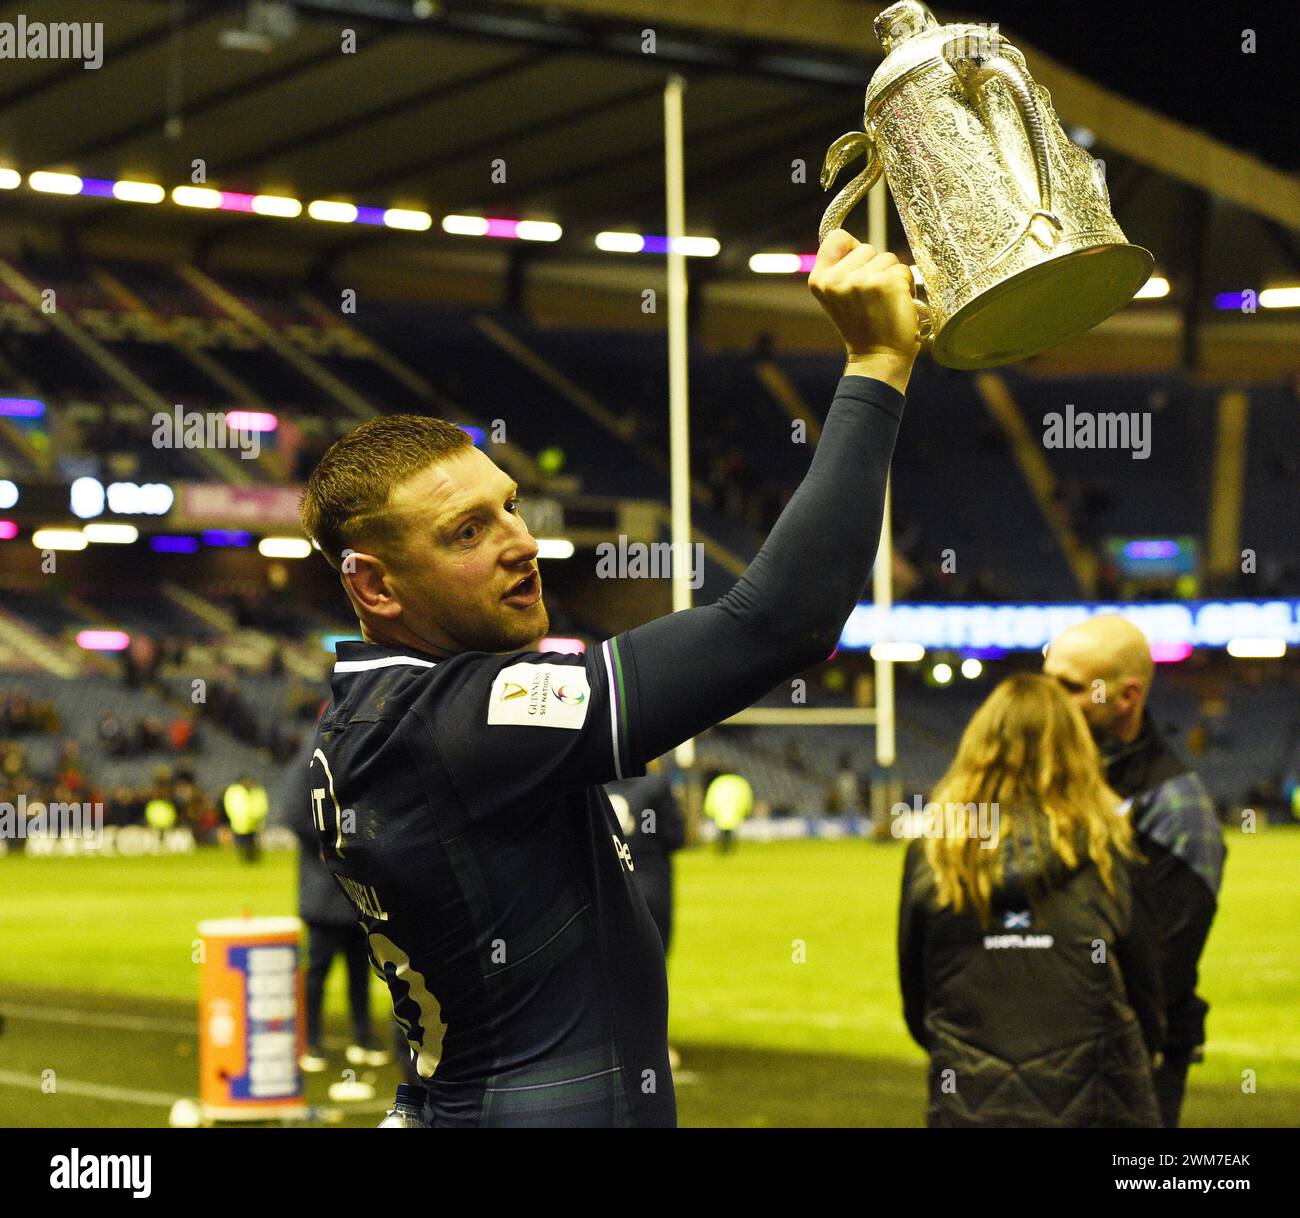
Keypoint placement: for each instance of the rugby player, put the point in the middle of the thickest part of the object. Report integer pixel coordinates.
(456, 775)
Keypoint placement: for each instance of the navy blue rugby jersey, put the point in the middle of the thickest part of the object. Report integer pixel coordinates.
(458, 805)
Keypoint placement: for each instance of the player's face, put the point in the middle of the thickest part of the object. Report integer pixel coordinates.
(468, 580)
(1076, 670)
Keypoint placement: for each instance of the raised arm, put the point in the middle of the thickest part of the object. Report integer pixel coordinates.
(786, 612)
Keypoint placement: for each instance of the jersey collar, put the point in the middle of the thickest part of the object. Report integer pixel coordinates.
(351, 656)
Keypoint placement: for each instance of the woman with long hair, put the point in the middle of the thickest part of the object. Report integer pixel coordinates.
(1027, 966)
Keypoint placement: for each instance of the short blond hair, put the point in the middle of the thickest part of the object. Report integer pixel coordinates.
(343, 503)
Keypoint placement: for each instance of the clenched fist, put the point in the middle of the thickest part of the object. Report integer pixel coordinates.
(870, 296)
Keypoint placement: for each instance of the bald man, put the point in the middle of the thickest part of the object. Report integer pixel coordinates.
(1104, 664)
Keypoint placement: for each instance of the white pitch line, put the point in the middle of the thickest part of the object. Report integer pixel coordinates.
(98, 1019)
(96, 1091)
(1247, 1048)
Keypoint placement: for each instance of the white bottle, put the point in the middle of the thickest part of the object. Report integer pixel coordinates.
(407, 1111)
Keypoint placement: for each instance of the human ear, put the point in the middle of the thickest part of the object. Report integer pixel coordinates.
(370, 586)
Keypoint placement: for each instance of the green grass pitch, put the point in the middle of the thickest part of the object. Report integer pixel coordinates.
(784, 999)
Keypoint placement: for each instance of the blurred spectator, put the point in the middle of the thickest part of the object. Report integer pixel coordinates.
(141, 661)
(111, 734)
(246, 808)
(203, 816)
(68, 771)
(182, 736)
(226, 706)
(13, 762)
(125, 806)
(283, 741)
(727, 802)
(150, 734)
(845, 795)
(20, 713)
(160, 811)
(654, 827)
(652, 838)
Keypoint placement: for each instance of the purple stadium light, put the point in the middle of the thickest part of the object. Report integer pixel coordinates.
(22, 408)
(226, 537)
(692, 247)
(233, 200)
(1228, 300)
(8, 530)
(103, 640)
(165, 543)
(1150, 549)
(251, 420)
(100, 187)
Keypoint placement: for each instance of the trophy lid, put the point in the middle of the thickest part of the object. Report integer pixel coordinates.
(913, 40)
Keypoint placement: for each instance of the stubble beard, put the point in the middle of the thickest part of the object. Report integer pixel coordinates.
(512, 632)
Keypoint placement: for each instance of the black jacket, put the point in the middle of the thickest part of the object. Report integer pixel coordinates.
(1178, 832)
(320, 899)
(648, 837)
(1025, 1021)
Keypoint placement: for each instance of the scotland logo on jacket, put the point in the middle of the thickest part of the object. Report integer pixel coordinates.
(1014, 920)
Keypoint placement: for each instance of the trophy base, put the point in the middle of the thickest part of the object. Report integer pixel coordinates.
(1042, 306)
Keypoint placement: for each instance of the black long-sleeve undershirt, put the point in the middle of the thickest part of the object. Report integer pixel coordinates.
(786, 612)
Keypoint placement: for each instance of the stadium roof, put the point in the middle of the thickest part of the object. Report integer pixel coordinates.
(566, 96)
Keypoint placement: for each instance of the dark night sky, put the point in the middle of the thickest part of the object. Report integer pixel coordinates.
(1184, 60)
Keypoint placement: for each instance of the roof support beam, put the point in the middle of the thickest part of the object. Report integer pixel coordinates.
(1158, 142)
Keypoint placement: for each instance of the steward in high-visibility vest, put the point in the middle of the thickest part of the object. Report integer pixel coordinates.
(246, 807)
(160, 813)
(727, 802)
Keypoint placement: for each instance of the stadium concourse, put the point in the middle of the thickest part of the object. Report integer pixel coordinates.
(201, 291)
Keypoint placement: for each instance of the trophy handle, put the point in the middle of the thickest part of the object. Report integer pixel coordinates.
(924, 322)
(976, 62)
(845, 149)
